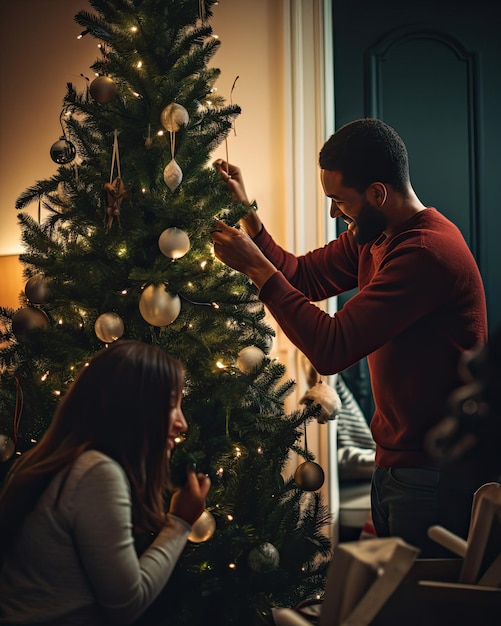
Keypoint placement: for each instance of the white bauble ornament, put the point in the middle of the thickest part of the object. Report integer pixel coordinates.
(36, 289)
(173, 175)
(109, 327)
(203, 528)
(174, 243)
(249, 358)
(328, 399)
(103, 89)
(309, 476)
(27, 319)
(159, 307)
(174, 117)
(263, 558)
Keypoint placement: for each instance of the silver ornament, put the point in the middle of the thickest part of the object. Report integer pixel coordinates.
(263, 558)
(159, 307)
(109, 327)
(249, 358)
(174, 243)
(174, 117)
(203, 528)
(103, 89)
(36, 289)
(309, 476)
(62, 151)
(173, 175)
(27, 319)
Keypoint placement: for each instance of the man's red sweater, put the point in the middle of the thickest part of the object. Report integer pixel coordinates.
(420, 305)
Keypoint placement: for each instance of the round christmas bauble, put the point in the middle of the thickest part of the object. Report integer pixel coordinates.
(103, 89)
(109, 327)
(263, 558)
(203, 528)
(7, 447)
(62, 151)
(174, 117)
(309, 476)
(159, 307)
(174, 243)
(37, 290)
(27, 319)
(249, 358)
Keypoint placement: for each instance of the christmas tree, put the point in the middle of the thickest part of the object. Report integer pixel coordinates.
(125, 252)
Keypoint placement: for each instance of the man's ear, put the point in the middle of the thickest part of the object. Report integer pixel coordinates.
(380, 193)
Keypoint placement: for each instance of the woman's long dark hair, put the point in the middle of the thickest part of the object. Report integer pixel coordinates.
(119, 404)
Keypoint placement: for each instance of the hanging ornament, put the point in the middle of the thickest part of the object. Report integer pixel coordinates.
(249, 358)
(326, 396)
(320, 393)
(203, 528)
(159, 307)
(37, 290)
(174, 243)
(263, 558)
(62, 151)
(174, 117)
(103, 89)
(115, 190)
(109, 327)
(27, 319)
(7, 447)
(173, 175)
(309, 476)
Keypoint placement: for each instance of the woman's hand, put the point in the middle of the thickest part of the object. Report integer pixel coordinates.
(188, 503)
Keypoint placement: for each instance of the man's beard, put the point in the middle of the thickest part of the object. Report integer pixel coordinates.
(370, 224)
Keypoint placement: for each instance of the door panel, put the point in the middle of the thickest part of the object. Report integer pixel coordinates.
(432, 71)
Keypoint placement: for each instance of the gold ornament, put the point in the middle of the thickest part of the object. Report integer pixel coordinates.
(109, 327)
(203, 528)
(174, 117)
(159, 307)
(249, 358)
(174, 243)
(103, 89)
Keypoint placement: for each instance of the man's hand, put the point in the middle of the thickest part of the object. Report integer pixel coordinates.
(236, 249)
(232, 176)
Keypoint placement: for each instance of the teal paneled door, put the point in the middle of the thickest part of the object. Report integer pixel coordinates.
(432, 69)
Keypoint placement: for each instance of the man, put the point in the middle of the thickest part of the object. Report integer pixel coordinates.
(420, 305)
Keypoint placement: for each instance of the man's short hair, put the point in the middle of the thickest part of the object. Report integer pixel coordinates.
(367, 151)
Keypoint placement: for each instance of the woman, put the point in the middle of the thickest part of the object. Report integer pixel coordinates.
(71, 506)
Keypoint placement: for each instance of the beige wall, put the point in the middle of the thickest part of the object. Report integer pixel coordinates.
(39, 59)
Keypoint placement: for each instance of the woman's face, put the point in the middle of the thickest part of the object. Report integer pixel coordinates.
(177, 425)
